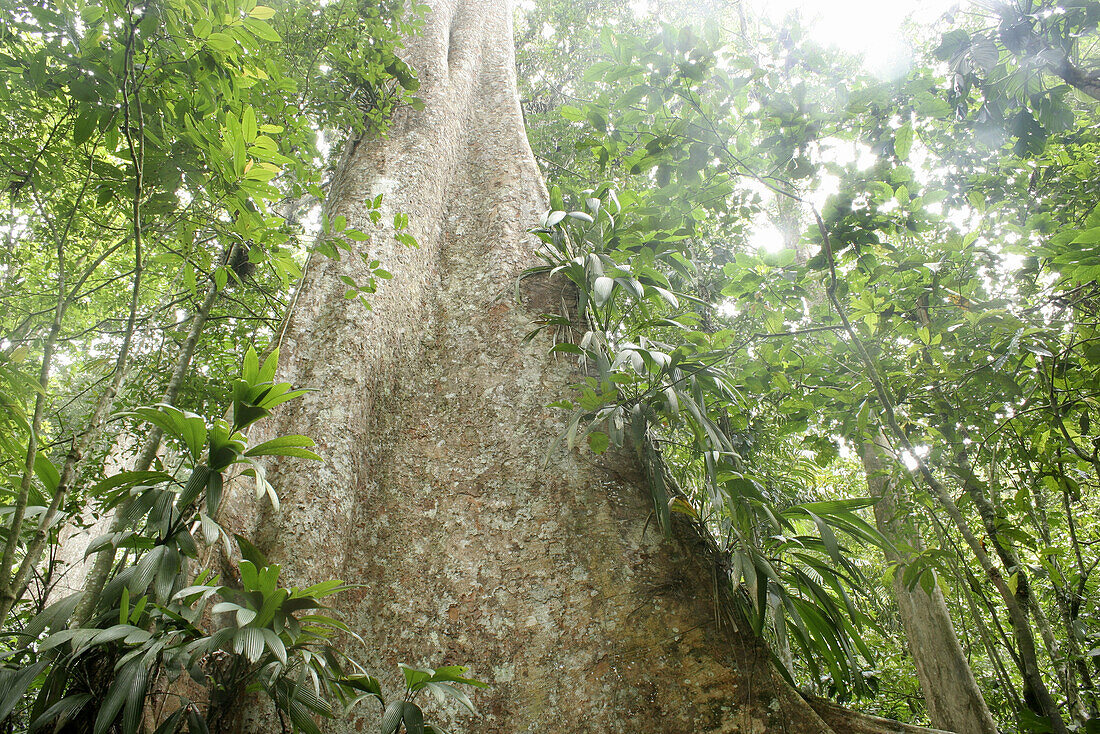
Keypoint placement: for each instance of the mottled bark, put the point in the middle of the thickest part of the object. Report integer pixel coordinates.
(951, 693)
(430, 412)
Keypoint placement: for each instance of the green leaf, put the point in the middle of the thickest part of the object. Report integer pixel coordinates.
(285, 446)
(262, 30)
(221, 42)
(249, 552)
(571, 113)
(414, 677)
(249, 642)
(1089, 236)
(47, 473)
(213, 494)
(301, 718)
(456, 674)
(124, 604)
(85, 125)
(248, 123)
(903, 141)
(250, 369)
(598, 442)
(828, 538)
(271, 364)
(145, 571)
(414, 718)
(135, 700)
(172, 722)
(14, 683)
(275, 644)
(55, 616)
(391, 718)
(196, 483)
(129, 678)
(193, 431)
(128, 632)
(61, 712)
(601, 290)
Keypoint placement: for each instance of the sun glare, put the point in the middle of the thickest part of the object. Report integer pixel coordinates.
(766, 238)
(870, 28)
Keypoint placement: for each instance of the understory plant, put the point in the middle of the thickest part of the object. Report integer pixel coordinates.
(172, 644)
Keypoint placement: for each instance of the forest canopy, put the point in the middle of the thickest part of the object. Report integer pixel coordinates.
(844, 305)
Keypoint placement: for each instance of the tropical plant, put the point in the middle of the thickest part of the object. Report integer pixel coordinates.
(149, 624)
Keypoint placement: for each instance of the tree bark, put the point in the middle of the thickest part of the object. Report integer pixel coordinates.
(951, 693)
(430, 413)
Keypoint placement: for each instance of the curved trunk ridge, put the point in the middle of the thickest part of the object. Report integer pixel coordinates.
(429, 411)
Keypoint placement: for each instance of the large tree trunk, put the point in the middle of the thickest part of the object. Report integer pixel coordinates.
(430, 412)
(950, 692)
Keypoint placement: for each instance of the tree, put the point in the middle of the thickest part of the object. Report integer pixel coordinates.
(431, 414)
(950, 692)
(718, 391)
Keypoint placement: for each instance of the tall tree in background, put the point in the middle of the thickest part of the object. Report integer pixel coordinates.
(951, 694)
